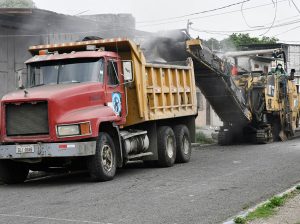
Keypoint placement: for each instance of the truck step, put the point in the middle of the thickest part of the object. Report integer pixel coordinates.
(140, 155)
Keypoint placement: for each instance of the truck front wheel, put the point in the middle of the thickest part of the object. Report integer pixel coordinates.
(102, 166)
(12, 172)
(166, 146)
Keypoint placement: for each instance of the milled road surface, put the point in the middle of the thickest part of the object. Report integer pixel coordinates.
(217, 183)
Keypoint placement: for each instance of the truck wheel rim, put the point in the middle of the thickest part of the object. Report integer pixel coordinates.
(107, 158)
(186, 145)
(170, 147)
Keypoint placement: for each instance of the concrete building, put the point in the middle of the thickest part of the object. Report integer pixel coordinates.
(206, 115)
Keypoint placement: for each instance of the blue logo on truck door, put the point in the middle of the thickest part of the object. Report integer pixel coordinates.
(117, 103)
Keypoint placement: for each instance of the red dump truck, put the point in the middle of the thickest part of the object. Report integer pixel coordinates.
(96, 104)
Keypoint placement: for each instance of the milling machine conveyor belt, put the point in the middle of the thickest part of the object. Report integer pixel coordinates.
(215, 82)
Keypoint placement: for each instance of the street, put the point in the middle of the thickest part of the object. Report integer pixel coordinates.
(217, 184)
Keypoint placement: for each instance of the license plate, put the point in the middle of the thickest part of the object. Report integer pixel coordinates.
(21, 149)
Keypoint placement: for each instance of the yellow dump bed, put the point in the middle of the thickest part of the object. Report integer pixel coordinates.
(159, 91)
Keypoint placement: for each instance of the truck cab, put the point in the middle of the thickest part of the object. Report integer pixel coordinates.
(58, 108)
(71, 86)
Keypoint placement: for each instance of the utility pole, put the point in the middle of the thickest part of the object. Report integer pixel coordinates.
(189, 23)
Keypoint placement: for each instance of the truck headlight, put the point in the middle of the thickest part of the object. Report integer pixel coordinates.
(70, 130)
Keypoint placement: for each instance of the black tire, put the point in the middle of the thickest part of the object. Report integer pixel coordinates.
(12, 172)
(225, 137)
(150, 163)
(102, 166)
(166, 144)
(183, 144)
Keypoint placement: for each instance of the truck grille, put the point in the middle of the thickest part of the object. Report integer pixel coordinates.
(27, 119)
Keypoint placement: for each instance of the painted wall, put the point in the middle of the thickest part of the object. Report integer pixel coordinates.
(206, 115)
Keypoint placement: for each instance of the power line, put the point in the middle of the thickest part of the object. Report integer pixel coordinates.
(295, 6)
(249, 30)
(196, 13)
(212, 15)
(244, 18)
(229, 12)
(211, 32)
(121, 29)
(274, 19)
(294, 28)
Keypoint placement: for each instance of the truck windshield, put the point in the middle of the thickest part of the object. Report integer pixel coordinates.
(65, 71)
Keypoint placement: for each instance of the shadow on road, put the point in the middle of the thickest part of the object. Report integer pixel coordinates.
(82, 177)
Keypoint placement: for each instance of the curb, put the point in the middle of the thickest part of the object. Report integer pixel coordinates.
(244, 213)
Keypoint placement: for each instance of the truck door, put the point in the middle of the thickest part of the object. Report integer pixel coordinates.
(115, 97)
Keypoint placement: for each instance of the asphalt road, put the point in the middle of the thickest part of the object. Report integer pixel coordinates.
(217, 183)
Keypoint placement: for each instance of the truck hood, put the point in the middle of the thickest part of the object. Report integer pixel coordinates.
(62, 97)
(52, 92)
(67, 104)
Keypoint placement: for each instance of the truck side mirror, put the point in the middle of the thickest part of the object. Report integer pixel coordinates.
(292, 75)
(20, 79)
(127, 70)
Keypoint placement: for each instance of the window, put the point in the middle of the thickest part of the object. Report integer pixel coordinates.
(101, 72)
(66, 71)
(112, 72)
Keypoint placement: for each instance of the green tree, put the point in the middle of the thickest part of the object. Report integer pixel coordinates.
(17, 4)
(235, 40)
(213, 44)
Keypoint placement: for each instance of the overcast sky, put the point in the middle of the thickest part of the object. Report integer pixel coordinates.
(258, 15)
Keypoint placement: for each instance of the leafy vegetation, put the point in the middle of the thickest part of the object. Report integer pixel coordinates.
(17, 4)
(203, 139)
(240, 220)
(268, 209)
(235, 40)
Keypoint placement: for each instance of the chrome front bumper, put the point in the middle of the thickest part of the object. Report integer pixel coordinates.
(50, 150)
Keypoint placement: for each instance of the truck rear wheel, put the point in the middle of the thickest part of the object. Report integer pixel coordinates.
(102, 166)
(183, 144)
(12, 172)
(166, 146)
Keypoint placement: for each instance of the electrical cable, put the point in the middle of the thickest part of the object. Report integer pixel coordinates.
(295, 6)
(216, 32)
(274, 19)
(249, 30)
(196, 13)
(244, 18)
(294, 28)
(207, 16)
